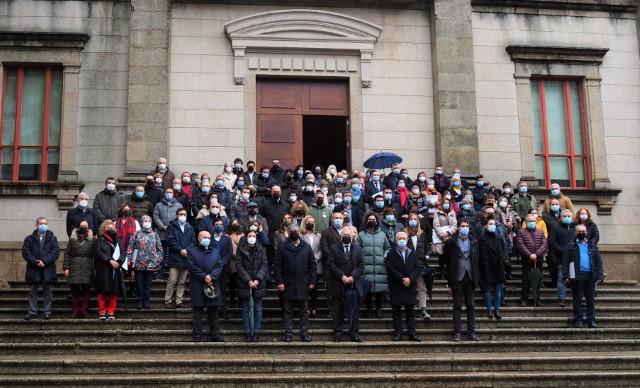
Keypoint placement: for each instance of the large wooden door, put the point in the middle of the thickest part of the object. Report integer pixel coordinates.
(281, 103)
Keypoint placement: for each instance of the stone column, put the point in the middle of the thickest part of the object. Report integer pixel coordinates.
(454, 89)
(148, 105)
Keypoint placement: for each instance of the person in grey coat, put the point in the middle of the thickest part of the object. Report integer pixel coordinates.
(163, 213)
(40, 250)
(78, 267)
(106, 203)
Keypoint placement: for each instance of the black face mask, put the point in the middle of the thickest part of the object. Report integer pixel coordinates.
(275, 196)
(235, 227)
(289, 178)
(490, 217)
(309, 226)
(250, 168)
(83, 230)
(294, 236)
(346, 240)
(372, 224)
(347, 220)
(111, 233)
(126, 213)
(150, 182)
(582, 236)
(300, 212)
(319, 202)
(253, 212)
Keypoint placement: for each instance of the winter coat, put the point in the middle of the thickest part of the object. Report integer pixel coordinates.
(390, 229)
(593, 233)
(338, 266)
(440, 220)
(167, 177)
(375, 247)
(322, 215)
(206, 223)
(178, 240)
(452, 252)
(139, 206)
(531, 242)
(561, 235)
(295, 267)
(78, 259)
(203, 262)
(163, 214)
(76, 215)
(105, 206)
(398, 269)
(328, 237)
(572, 255)
(49, 254)
(492, 253)
(251, 264)
(315, 246)
(540, 224)
(565, 203)
(225, 197)
(107, 279)
(522, 204)
(225, 247)
(273, 211)
(149, 251)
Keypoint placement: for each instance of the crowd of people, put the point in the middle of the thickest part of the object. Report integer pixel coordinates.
(365, 237)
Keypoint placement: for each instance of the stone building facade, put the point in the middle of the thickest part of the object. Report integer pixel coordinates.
(456, 82)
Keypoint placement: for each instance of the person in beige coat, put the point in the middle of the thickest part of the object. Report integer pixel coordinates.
(565, 202)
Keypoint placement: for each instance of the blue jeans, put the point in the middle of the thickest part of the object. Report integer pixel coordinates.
(257, 316)
(143, 281)
(493, 293)
(562, 288)
(585, 286)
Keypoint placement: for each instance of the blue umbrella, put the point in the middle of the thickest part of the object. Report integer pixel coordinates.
(252, 320)
(351, 296)
(382, 160)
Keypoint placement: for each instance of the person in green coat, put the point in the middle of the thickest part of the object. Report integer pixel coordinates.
(78, 267)
(320, 212)
(375, 247)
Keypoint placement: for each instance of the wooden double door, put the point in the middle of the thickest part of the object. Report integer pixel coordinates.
(301, 121)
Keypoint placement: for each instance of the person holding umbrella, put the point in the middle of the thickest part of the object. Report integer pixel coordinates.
(532, 246)
(346, 266)
(253, 269)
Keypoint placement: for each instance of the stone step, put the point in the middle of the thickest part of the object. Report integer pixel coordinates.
(249, 364)
(317, 347)
(612, 379)
(493, 335)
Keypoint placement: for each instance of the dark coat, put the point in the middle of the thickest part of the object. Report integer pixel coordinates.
(572, 255)
(328, 237)
(78, 259)
(295, 267)
(370, 191)
(452, 252)
(492, 255)
(178, 240)
(593, 233)
(357, 211)
(251, 264)
(398, 270)
(421, 249)
(225, 247)
(263, 186)
(225, 197)
(154, 194)
(49, 254)
(339, 266)
(531, 242)
(273, 211)
(76, 215)
(107, 280)
(139, 206)
(203, 262)
(105, 206)
(560, 236)
(206, 223)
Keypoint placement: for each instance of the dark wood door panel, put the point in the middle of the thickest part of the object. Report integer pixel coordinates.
(325, 99)
(280, 97)
(279, 137)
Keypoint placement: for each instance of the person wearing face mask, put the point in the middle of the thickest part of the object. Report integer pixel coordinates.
(222, 243)
(373, 187)
(239, 209)
(418, 241)
(328, 197)
(523, 202)
(492, 254)
(375, 247)
(189, 187)
(235, 231)
(153, 189)
(463, 277)
(205, 266)
(421, 180)
(307, 193)
(464, 185)
(583, 255)
(355, 210)
(340, 184)
(320, 212)
(264, 182)
(289, 185)
(40, 250)
(216, 213)
(391, 180)
(163, 214)
(440, 180)
(562, 234)
(330, 175)
(273, 210)
(456, 189)
(345, 267)
(225, 196)
(228, 177)
(413, 197)
(468, 213)
(78, 268)
(250, 175)
(237, 167)
(180, 195)
(444, 226)
(167, 175)
(540, 224)
(507, 191)
(299, 175)
(200, 203)
(551, 218)
(295, 274)
(109, 256)
(82, 212)
(299, 211)
(106, 202)
(180, 238)
(480, 191)
(276, 172)
(556, 193)
(126, 225)
(145, 256)
(583, 217)
(253, 272)
(139, 203)
(281, 235)
(401, 193)
(532, 245)
(454, 204)
(390, 225)
(311, 236)
(254, 216)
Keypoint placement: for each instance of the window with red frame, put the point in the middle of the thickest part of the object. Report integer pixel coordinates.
(30, 123)
(559, 132)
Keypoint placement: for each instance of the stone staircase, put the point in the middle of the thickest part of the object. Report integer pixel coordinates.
(528, 347)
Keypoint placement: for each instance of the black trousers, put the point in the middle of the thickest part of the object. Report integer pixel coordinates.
(338, 306)
(228, 284)
(378, 298)
(410, 317)
(464, 289)
(527, 266)
(214, 326)
(287, 316)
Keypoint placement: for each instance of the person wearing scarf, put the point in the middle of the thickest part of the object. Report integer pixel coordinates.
(108, 258)
(78, 267)
(403, 192)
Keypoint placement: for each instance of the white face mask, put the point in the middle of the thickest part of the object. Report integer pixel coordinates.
(251, 240)
(146, 225)
(447, 196)
(186, 180)
(430, 187)
(215, 210)
(503, 204)
(227, 169)
(83, 203)
(182, 219)
(332, 172)
(162, 167)
(415, 191)
(158, 180)
(293, 199)
(245, 196)
(177, 187)
(507, 190)
(111, 187)
(324, 190)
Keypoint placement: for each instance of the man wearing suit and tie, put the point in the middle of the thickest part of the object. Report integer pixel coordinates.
(373, 187)
(345, 267)
(403, 269)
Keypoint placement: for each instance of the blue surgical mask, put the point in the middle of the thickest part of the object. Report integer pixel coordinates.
(401, 244)
(456, 174)
(355, 187)
(43, 228)
(217, 229)
(388, 197)
(464, 230)
(396, 171)
(139, 194)
(265, 175)
(240, 183)
(347, 199)
(466, 206)
(446, 206)
(253, 228)
(375, 178)
(480, 183)
(456, 184)
(531, 224)
(337, 223)
(555, 193)
(205, 242)
(219, 183)
(413, 223)
(379, 204)
(168, 197)
(523, 189)
(300, 172)
(198, 180)
(405, 176)
(401, 185)
(238, 165)
(555, 208)
(491, 228)
(205, 189)
(469, 197)
(438, 172)
(339, 180)
(566, 220)
(389, 217)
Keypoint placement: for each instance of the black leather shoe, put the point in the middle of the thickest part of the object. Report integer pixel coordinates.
(456, 337)
(379, 314)
(577, 324)
(397, 337)
(248, 337)
(356, 338)
(498, 316)
(305, 338)
(414, 338)
(473, 337)
(47, 316)
(217, 338)
(255, 337)
(337, 337)
(593, 325)
(287, 338)
(490, 315)
(30, 317)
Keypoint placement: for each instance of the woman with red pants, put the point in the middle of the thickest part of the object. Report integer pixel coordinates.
(108, 258)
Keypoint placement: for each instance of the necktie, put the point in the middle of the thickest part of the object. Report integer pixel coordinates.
(346, 251)
(377, 187)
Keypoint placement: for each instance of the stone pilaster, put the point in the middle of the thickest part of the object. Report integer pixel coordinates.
(148, 104)
(454, 88)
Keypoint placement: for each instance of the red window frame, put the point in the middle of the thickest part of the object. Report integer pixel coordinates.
(570, 137)
(44, 147)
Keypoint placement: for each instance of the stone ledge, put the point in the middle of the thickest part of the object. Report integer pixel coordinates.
(385, 4)
(42, 40)
(603, 199)
(64, 192)
(555, 54)
(612, 6)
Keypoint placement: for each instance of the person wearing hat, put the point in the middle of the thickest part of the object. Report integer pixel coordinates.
(295, 274)
(205, 266)
(253, 215)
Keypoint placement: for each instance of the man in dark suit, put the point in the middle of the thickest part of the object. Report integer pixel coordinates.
(346, 266)
(463, 277)
(329, 237)
(403, 269)
(373, 187)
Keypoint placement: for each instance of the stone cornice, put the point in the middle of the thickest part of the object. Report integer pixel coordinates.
(553, 54)
(611, 6)
(385, 4)
(42, 40)
(64, 192)
(604, 199)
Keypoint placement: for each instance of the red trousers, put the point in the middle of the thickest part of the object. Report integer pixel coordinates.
(102, 299)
